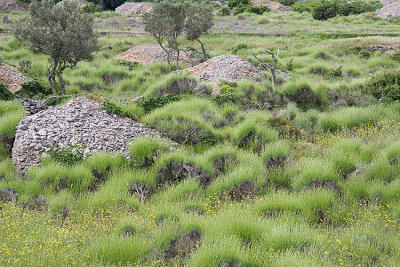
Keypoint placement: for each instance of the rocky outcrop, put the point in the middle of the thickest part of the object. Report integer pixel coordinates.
(12, 78)
(131, 8)
(146, 54)
(230, 68)
(79, 122)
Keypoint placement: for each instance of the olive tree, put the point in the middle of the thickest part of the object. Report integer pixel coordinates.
(170, 19)
(61, 31)
(199, 19)
(165, 23)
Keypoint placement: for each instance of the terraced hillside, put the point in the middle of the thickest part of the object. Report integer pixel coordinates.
(214, 163)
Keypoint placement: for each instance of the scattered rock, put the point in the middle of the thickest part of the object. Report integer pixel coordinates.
(79, 122)
(146, 54)
(40, 202)
(142, 190)
(195, 210)
(329, 184)
(230, 68)
(12, 78)
(174, 172)
(359, 169)
(99, 178)
(62, 214)
(184, 245)
(271, 213)
(127, 232)
(380, 47)
(5, 19)
(8, 195)
(272, 6)
(62, 184)
(242, 191)
(132, 8)
(279, 161)
(229, 117)
(220, 164)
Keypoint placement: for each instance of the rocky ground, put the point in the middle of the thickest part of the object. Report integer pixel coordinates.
(79, 122)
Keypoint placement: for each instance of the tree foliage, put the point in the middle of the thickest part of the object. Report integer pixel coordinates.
(61, 31)
(199, 19)
(170, 19)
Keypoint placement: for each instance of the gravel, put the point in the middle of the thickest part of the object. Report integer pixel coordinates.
(79, 122)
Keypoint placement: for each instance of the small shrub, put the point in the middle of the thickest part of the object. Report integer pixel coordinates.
(239, 47)
(151, 103)
(70, 156)
(5, 94)
(364, 53)
(129, 64)
(335, 73)
(289, 65)
(385, 86)
(224, 11)
(325, 10)
(235, 3)
(396, 56)
(32, 89)
(91, 8)
(113, 108)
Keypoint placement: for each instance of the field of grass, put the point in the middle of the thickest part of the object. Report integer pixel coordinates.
(324, 173)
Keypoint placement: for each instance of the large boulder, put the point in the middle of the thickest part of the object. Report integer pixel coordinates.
(12, 78)
(131, 8)
(79, 122)
(146, 54)
(230, 68)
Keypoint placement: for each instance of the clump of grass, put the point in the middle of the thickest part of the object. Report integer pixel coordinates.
(9, 122)
(144, 150)
(309, 170)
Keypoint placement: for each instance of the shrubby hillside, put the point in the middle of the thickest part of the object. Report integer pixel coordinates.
(218, 133)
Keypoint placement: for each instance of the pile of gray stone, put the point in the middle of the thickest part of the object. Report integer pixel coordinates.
(81, 121)
(12, 78)
(132, 8)
(390, 9)
(230, 68)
